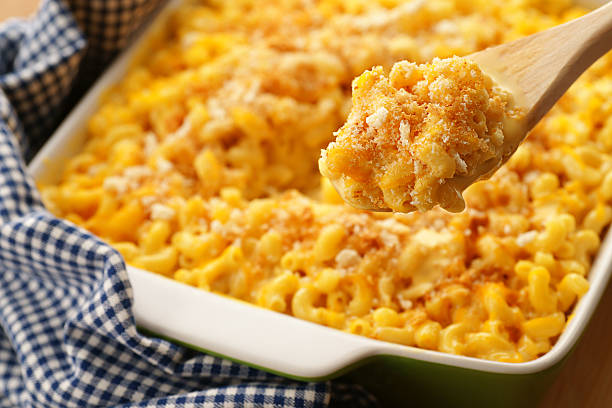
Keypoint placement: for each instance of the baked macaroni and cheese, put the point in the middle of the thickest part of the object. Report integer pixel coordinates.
(201, 165)
(417, 137)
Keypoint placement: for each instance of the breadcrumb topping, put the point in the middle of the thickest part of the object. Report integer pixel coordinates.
(415, 138)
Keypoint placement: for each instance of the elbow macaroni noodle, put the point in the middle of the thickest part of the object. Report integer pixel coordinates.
(201, 165)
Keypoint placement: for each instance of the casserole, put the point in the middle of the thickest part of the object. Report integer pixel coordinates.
(302, 350)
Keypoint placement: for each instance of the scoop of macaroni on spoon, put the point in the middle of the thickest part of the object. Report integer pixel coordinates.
(419, 136)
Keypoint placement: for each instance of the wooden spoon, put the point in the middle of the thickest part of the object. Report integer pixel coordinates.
(538, 69)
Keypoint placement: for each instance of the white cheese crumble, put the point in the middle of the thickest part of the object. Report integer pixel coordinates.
(347, 258)
(117, 184)
(377, 119)
(446, 27)
(389, 240)
(526, 238)
(379, 19)
(182, 131)
(461, 164)
(497, 137)
(406, 304)
(147, 201)
(394, 226)
(404, 129)
(137, 172)
(164, 165)
(189, 39)
(415, 200)
(215, 110)
(236, 215)
(162, 212)
(216, 227)
(150, 143)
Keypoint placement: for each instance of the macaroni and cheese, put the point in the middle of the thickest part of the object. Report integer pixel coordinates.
(418, 137)
(201, 165)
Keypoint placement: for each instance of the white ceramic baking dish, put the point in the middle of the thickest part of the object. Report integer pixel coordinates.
(306, 351)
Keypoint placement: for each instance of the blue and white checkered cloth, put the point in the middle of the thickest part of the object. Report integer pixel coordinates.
(68, 335)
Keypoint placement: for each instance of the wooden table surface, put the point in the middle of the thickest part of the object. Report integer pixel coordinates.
(586, 379)
(17, 8)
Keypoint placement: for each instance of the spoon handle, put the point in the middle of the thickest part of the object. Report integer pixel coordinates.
(538, 69)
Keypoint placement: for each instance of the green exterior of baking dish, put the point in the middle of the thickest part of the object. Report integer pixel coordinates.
(398, 382)
(406, 382)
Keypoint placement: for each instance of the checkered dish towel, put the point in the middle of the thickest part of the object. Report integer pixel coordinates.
(68, 335)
